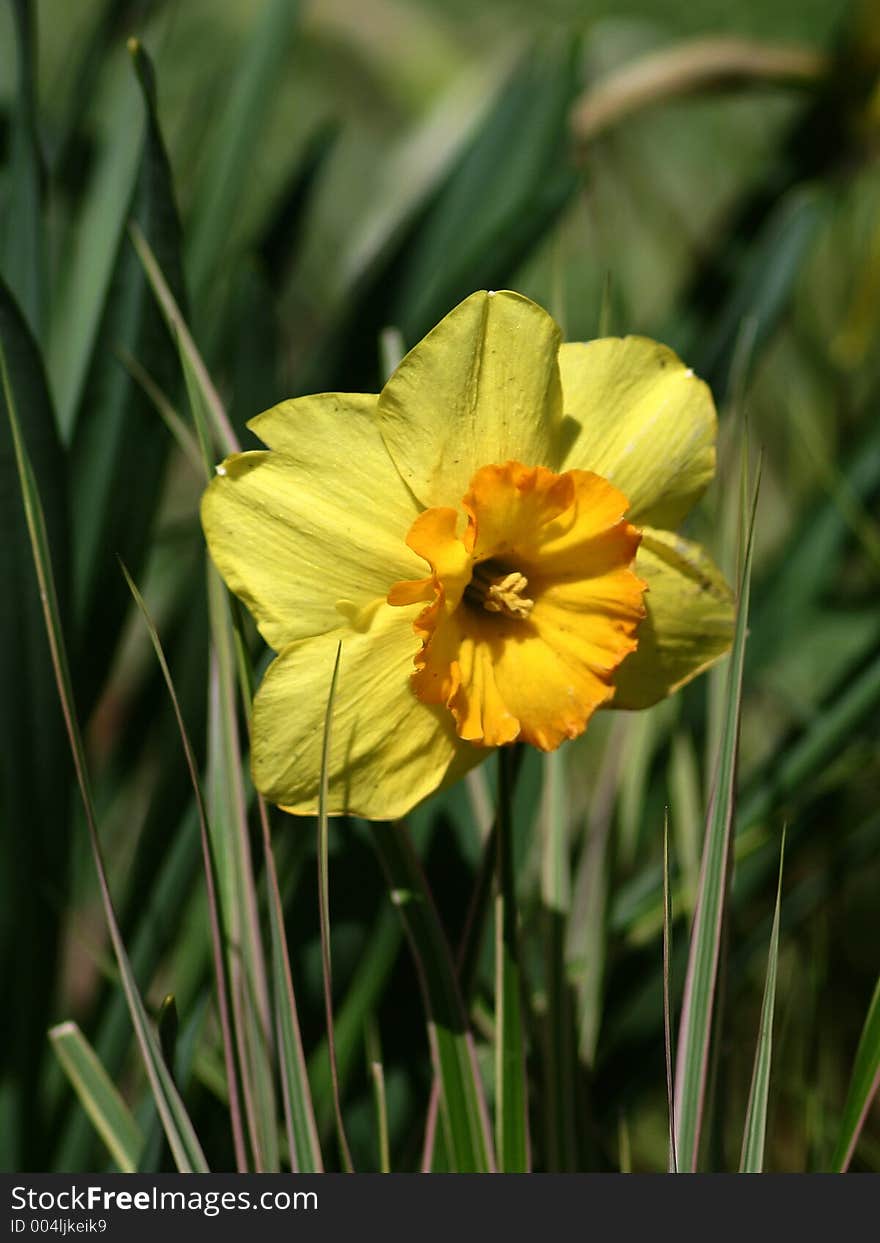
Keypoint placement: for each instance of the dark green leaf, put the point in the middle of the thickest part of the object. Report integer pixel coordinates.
(475, 226)
(22, 257)
(511, 1099)
(34, 769)
(752, 1160)
(234, 142)
(120, 446)
(462, 1102)
(863, 1086)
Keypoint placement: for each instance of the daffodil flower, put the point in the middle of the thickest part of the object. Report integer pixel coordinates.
(489, 538)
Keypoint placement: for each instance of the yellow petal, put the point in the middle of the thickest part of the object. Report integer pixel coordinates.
(433, 537)
(645, 422)
(483, 386)
(689, 622)
(314, 532)
(388, 750)
(511, 506)
(546, 521)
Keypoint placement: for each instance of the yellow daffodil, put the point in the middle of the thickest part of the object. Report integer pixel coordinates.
(490, 538)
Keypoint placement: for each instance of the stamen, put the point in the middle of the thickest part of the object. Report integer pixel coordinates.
(499, 592)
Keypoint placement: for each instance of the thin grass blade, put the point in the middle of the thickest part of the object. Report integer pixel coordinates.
(212, 427)
(168, 1027)
(624, 1145)
(299, 1111)
(23, 245)
(467, 959)
(559, 1046)
(249, 988)
(164, 909)
(463, 1109)
(99, 1097)
(511, 1103)
(638, 906)
(35, 824)
(200, 387)
(752, 1159)
(186, 441)
(297, 1096)
(667, 998)
(863, 1087)
(587, 933)
(324, 907)
(220, 967)
(228, 819)
(705, 946)
(687, 809)
(182, 1139)
(363, 996)
(380, 1100)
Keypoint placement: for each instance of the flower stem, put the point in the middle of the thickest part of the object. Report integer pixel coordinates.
(511, 1104)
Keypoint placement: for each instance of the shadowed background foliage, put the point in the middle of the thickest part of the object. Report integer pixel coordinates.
(309, 176)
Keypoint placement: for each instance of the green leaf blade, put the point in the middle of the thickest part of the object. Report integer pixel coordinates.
(182, 1139)
(511, 1103)
(864, 1085)
(324, 908)
(35, 771)
(234, 142)
(462, 1101)
(752, 1159)
(119, 449)
(110, 1115)
(705, 946)
(23, 250)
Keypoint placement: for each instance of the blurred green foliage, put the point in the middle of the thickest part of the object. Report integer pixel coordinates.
(307, 175)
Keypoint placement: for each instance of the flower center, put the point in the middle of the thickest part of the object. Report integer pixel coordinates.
(549, 550)
(498, 591)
